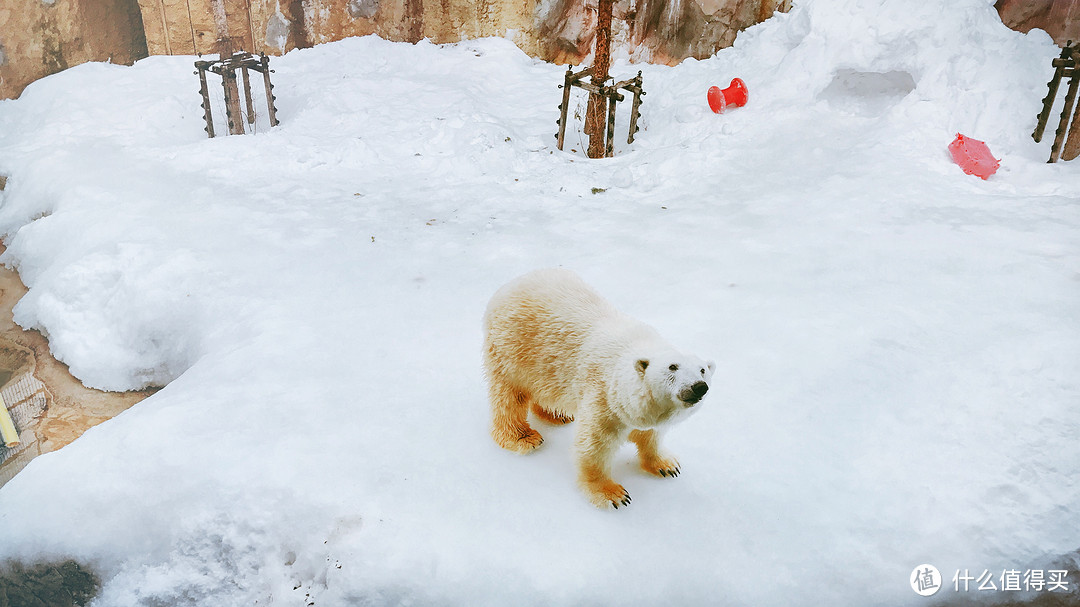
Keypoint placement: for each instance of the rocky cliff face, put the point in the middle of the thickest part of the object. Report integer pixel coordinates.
(41, 37)
(1059, 18)
(665, 31)
(54, 34)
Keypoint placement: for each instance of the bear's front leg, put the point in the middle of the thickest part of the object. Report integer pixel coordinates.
(597, 439)
(652, 461)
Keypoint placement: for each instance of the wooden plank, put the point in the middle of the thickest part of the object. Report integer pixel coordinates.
(259, 13)
(153, 18)
(203, 29)
(176, 27)
(238, 25)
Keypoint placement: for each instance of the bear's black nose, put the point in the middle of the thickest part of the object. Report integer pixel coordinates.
(700, 388)
(693, 393)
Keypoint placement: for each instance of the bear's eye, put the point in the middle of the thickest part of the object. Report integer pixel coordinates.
(673, 368)
(703, 371)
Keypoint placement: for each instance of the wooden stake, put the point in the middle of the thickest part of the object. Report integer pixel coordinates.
(635, 109)
(247, 95)
(1072, 142)
(205, 101)
(1051, 95)
(232, 102)
(1063, 125)
(568, 83)
(609, 140)
(264, 61)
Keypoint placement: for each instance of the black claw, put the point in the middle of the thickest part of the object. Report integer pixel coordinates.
(663, 473)
(616, 505)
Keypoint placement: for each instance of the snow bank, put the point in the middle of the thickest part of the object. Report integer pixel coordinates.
(897, 343)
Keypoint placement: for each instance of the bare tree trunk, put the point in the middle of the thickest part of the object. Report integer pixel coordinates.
(596, 114)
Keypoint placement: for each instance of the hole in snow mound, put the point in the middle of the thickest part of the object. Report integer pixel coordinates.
(867, 93)
(47, 406)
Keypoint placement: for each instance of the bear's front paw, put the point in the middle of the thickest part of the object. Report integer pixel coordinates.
(522, 440)
(609, 495)
(666, 467)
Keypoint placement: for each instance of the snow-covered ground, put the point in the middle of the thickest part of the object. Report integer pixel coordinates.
(898, 343)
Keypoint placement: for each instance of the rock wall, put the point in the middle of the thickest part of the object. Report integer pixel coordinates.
(666, 31)
(1059, 18)
(42, 37)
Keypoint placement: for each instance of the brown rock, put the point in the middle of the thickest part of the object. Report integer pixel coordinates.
(1059, 18)
(42, 37)
(50, 407)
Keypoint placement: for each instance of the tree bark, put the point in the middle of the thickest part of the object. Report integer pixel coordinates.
(596, 114)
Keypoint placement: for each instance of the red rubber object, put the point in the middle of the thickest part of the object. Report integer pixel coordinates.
(973, 156)
(735, 94)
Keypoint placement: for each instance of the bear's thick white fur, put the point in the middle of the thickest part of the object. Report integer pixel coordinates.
(554, 346)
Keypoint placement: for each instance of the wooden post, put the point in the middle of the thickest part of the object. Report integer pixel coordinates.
(1051, 95)
(609, 139)
(1063, 125)
(568, 83)
(596, 113)
(207, 115)
(264, 61)
(635, 110)
(247, 95)
(232, 101)
(1072, 142)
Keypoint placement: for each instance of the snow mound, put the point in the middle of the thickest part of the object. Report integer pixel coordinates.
(897, 343)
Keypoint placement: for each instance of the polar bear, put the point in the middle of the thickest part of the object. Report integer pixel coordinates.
(553, 345)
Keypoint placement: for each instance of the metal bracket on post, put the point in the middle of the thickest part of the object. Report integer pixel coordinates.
(611, 96)
(226, 68)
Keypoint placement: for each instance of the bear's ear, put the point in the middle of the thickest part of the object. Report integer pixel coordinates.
(641, 365)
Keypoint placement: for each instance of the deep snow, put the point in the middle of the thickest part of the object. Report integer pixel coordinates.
(898, 344)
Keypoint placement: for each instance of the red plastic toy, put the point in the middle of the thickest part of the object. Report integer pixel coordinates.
(735, 94)
(973, 156)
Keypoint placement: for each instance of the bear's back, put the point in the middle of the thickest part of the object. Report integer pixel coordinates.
(535, 328)
(553, 297)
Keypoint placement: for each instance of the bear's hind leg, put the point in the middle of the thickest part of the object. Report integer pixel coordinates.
(652, 461)
(510, 426)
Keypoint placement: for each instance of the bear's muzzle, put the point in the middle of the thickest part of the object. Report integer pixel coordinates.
(694, 393)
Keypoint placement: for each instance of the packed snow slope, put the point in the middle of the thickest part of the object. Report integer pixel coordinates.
(897, 343)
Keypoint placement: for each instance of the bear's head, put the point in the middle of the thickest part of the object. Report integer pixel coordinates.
(674, 384)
